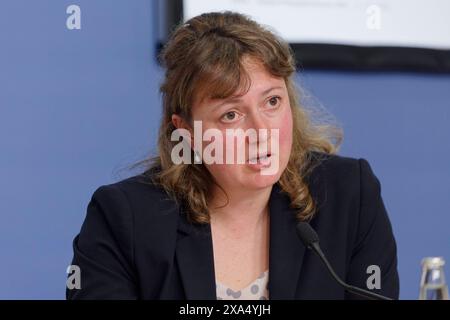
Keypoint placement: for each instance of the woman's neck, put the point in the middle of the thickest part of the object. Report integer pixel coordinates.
(244, 210)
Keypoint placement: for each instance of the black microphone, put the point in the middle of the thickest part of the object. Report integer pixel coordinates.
(310, 239)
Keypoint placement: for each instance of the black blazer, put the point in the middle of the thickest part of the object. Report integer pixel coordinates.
(136, 243)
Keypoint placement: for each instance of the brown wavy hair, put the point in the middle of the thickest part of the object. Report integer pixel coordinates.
(204, 57)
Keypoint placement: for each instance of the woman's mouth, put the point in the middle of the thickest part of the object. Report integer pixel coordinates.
(260, 161)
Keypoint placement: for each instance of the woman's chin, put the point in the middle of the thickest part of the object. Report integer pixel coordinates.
(258, 180)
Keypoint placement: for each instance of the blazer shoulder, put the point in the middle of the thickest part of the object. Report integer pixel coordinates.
(140, 185)
(341, 168)
(342, 177)
(333, 161)
(139, 193)
(336, 168)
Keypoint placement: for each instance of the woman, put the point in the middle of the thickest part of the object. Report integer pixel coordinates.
(215, 230)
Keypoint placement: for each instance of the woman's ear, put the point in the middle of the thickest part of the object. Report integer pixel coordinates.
(178, 122)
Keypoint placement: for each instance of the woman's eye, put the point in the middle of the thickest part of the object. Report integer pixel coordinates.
(230, 116)
(274, 101)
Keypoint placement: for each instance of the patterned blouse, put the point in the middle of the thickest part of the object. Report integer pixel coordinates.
(257, 290)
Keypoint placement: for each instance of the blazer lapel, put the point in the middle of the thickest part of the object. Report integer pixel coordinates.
(195, 258)
(285, 249)
(194, 255)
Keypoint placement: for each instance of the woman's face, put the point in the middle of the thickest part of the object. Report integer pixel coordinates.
(264, 106)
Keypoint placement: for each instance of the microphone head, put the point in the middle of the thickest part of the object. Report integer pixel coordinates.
(307, 234)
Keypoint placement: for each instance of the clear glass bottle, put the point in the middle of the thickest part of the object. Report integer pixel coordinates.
(432, 282)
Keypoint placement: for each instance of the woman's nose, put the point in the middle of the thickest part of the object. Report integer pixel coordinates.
(260, 125)
(257, 122)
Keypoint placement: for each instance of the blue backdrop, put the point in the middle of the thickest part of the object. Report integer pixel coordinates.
(78, 105)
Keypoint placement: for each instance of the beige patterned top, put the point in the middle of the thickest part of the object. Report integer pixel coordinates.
(257, 290)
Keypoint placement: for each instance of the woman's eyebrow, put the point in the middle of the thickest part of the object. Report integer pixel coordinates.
(235, 99)
(270, 89)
